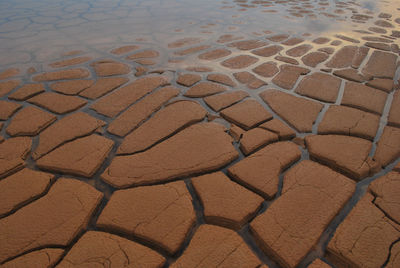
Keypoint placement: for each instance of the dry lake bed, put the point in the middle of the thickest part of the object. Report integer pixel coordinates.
(211, 133)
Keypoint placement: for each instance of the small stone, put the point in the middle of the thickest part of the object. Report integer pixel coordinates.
(236, 132)
(260, 171)
(256, 138)
(314, 58)
(239, 62)
(188, 80)
(299, 50)
(349, 121)
(221, 101)
(267, 69)
(9, 73)
(144, 54)
(98, 248)
(124, 49)
(247, 44)
(64, 130)
(44, 258)
(386, 192)
(161, 214)
(364, 238)
(7, 86)
(7, 109)
(80, 157)
(249, 79)
(222, 79)
(350, 74)
(312, 195)
(381, 64)
(55, 219)
(196, 149)
(164, 123)
(281, 129)
(320, 86)
(120, 99)
(109, 68)
(246, 114)
(203, 89)
(343, 58)
(394, 113)
(57, 103)
(102, 86)
(344, 153)
(13, 152)
(298, 112)
(26, 91)
(288, 75)
(225, 202)
(213, 246)
(363, 97)
(21, 188)
(72, 87)
(388, 146)
(29, 122)
(62, 75)
(140, 71)
(70, 62)
(267, 51)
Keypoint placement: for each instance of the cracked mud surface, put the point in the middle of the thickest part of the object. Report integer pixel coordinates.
(217, 134)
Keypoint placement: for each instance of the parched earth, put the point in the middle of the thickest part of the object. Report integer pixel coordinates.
(279, 150)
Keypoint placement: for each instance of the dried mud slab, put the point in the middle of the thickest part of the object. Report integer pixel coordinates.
(343, 57)
(225, 202)
(144, 54)
(267, 69)
(26, 91)
(80, 157)
(267, 51)
(110, 68)
(381, 64)
(386, 192)
(188, 80)
(53, 220)
(382, 84)
(7, 86)
(213, 246)
(102, 86)
(298, 112)
(320, 86)
(388, 146)
(350, 74)
(13, 152)
(215, 54)
(70, 62)
(102, 249)
(267, 164)
(299, 50)
(277, 126)
(8, 108)
(349, 121)
(246, 114)
(221, 101)
(77, 73)
(58, 103)
(344, 153)
(29, 122)
(222, 79)
(187, 41)
(318, 263)
(363, 97)
(21, 188)
(278, 37)
(191, 50)
(364, 238)
(120, 99)
(394, 113)
(196, 149)
(249, 79)
(72, 87)
(256, 138)
(161, 215)
(164, 123)
(138, 113)
(288, 75)
(44, 258)
(203, 89)
(314, 58)
(239, 62)
(247, 44)
(11, 72)
(124, 49)
(66, 129)
(312, 196)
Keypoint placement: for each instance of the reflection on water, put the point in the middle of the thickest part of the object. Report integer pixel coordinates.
(33, 31)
